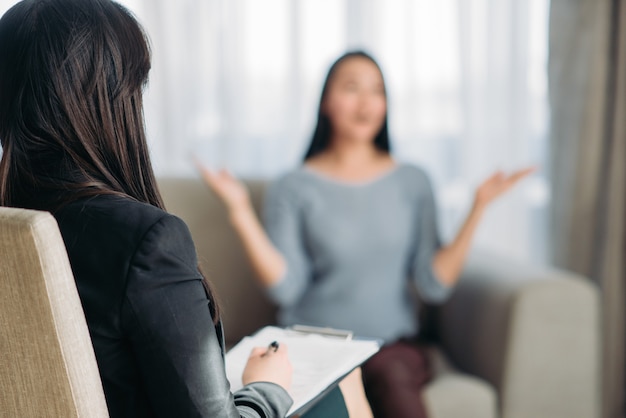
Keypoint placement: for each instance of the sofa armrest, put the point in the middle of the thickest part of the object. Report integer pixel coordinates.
(532, 332)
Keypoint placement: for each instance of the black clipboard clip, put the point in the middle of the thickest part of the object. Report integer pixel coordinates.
(324, 331)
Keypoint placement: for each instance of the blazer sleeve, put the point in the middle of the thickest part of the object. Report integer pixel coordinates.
(178, 348)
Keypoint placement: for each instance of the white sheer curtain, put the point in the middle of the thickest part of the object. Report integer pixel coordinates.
(237, 83)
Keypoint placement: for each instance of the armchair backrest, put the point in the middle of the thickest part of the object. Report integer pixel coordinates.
(47, 364)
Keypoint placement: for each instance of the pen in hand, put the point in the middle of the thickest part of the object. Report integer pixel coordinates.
(273, 346)
(269, 364)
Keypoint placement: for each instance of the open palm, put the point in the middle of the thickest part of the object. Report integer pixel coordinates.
(498, 184)
(230, 190)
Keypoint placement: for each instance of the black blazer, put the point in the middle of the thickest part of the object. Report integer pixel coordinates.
(157, 349)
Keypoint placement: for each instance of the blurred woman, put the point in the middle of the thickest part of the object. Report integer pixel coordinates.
(348, 232)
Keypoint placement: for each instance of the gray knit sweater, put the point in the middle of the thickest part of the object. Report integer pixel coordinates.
(352, 250)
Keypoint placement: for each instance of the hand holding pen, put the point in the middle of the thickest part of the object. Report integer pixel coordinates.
(269, 364)
(272, 347)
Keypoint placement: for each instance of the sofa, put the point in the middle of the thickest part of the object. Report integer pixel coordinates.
(514, 340)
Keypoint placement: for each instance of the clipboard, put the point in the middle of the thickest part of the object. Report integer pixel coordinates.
(325, 331)
(321, 358)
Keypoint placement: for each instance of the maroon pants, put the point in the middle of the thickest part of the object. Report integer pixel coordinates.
(394, 378)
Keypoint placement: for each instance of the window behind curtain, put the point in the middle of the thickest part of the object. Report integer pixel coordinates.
(237, 83)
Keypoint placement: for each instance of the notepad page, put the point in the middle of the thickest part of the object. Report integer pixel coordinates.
(317, 361)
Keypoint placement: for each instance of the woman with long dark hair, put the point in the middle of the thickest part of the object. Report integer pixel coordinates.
(72, 73)
(349, 231)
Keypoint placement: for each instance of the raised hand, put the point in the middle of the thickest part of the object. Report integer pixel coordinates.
(448, 261)
(498, 184)
(230, 190)
(267, 262)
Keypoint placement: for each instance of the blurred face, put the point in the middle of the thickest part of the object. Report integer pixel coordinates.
(355, 100)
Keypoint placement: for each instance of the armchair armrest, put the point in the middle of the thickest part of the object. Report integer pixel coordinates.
(531, 331)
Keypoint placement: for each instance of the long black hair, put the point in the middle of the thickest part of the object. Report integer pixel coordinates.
(323, 128)
(72, 74)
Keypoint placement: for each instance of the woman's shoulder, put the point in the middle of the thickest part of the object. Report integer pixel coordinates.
(295, 176)
(410, 169)
(113, 209)
(111, 217)
(413, 175)
(302, 180)
(290, 183)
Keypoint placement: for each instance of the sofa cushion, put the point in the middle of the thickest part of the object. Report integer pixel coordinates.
(454, 394)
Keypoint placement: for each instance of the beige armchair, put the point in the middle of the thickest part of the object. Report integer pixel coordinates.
(516, 340)
(47, 363)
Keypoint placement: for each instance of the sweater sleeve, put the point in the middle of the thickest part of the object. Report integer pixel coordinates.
(426, 243)
(179, 350)
(284, 226)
